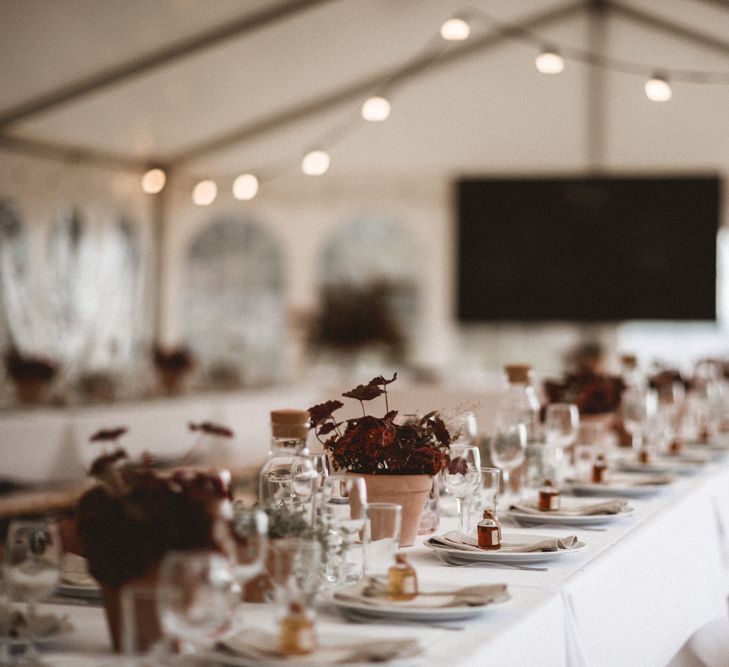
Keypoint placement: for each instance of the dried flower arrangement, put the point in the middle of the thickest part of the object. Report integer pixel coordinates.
(135, 515)
(592, 393)
(22, 367)
(380, 445)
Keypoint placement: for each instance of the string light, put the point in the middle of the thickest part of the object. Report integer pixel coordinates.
(657, 89)
(549, 62)
(455, 30)
(153, 181)
(204, 193)
(315, 163)
(376, 109)
(245, 187)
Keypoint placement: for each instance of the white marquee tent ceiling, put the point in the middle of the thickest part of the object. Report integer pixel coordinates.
(489, 111)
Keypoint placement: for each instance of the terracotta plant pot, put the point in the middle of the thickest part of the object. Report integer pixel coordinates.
(408, 491)
(148, 630)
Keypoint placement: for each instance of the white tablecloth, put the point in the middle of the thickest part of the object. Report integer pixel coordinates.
(633, 597)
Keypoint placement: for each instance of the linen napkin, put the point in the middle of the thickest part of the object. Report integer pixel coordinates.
(588, 509)
(474, 596)
(263, 646)
(455, 540)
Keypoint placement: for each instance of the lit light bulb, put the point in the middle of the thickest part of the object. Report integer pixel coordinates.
(376, 109)
(455, 30)
(245, 187)
(153, 181)
(315, 163)
(549, 62)
(657, 89)
(204, 193)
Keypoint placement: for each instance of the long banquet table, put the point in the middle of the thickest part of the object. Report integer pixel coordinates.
(633, 597)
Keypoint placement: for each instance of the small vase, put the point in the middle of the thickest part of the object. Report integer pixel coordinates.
(408, 491)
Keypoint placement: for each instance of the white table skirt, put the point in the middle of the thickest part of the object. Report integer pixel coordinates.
(633, 597)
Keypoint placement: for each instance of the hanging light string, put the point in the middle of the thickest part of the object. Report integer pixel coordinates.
(460, 27)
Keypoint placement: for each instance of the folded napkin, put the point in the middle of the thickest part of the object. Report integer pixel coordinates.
(374, 594)
(588, 509)
(456, 540)
(262, 646)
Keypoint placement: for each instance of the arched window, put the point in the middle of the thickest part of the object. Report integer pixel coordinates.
(376, 250)
(234, 304)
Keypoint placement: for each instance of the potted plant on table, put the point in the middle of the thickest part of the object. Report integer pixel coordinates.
(397, 459)
(135, 515)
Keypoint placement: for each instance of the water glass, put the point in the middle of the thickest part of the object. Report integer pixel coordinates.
(32, 569)
(206, 596)
(296, 571)
(343, 509)
(382, 536)
(638, 408)
(486, 496)
(508, 449)
(250, 532)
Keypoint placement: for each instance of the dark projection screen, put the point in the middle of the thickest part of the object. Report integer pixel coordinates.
(587, 249)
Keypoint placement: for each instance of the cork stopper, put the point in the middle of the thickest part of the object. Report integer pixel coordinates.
(488, 514)
(548, 483)
(290, 423)
(629, 361)
(518, 373)
(401, 560)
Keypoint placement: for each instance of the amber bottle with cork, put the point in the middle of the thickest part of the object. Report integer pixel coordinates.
(298, 635)
(599, 470)
(488, 531)
(548, 496)
(402, 581)
(645, 456)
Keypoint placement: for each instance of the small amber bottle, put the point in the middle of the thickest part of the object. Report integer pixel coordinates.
(645, 456)
(298, 636)
(676, 447)
(402, 582)
(599, 470)
(548, 496)
(489, 531)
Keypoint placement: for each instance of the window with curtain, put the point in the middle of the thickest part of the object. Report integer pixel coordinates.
(234, 302)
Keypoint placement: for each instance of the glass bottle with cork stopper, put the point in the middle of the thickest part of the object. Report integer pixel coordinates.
(298, 634)
(289, 431)
(402, 581)
(548, 497)
(488, 531)
(599, 470)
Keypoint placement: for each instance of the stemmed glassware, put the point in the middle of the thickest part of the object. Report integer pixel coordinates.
(462, 477)
(638, 407)
(250, 532)
(297, 570)
(561, 423)
(198, 596)
(32, 570)
(508, 449)
(343, 509)
(485, 497)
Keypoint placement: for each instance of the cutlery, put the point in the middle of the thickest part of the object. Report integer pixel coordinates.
(456, 562)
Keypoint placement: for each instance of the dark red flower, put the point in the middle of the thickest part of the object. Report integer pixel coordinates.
(364, 392)
(321, 412)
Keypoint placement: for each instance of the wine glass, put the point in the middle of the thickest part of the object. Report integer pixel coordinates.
(297, 570)
(508, 449)
(32, 569)
(485, 497)
(462, 476)
(344, 499)
(201, 599)
(560, 429)
(250, 532)
(638, 407)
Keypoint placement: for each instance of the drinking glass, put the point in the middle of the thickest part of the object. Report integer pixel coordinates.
(204, 599)
(638, 407)
(590, 441)
(297, 571)
(250, 531)
(464, 427)
(560, 429)
(290, 484)
(323, 470)
(508, 448)
(461, 477)
(344, 499)
(382, 536)
(485, 497)
(32, 569)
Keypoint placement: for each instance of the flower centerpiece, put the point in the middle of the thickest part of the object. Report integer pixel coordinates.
(396, 458)
(134, 515)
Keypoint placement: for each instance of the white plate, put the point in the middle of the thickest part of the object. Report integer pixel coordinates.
(662, 466)
(620, 486)
(500, 556)
(432, 614)
(567, 520)
(64, 627)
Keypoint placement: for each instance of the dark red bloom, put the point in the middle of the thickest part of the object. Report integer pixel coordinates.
(319, 413)
(364, 392)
